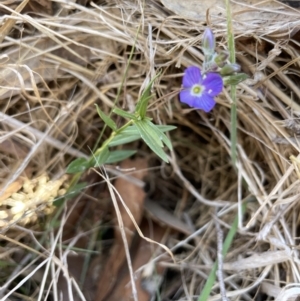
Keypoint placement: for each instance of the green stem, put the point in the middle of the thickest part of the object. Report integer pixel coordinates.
(112, 136)
(233, 126)
(122, 84)
(231, 48)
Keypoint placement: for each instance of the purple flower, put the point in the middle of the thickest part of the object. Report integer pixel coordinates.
(199, 90)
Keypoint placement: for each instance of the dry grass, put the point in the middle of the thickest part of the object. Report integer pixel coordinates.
(57, 61)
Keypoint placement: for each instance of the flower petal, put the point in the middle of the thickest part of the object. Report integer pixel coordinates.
(185, 96)
(213, 84)
(192, 75)
(205, 103)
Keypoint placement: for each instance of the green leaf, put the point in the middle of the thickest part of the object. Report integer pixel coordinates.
(131, 134)
(141, 107)
(122, 138)
(101, 157)
(119, 155)
(82, 164)
(124, 113)
(151, 138)
(127, 135)
(108, 121)
(160, 134)
(166, 128)
(71, 193)
(78, 165)
(234, 79)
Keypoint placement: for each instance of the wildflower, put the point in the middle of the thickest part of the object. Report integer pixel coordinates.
(199, 90)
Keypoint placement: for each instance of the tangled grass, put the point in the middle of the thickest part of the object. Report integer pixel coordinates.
(59, 59)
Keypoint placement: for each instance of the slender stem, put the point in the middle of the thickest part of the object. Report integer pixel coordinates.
(121, 86)
(97, 150)
(231, 48)
(233, 126)
(112, 135)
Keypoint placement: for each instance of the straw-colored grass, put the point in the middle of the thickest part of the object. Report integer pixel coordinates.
(57, 61)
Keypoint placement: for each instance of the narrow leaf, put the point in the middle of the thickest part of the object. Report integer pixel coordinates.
(101, 157)
(160, 134)
(78, 165)
(127, 135)
(156, 139)
(124, 113)
(166, 128)
(119, 155)
(108, 121)
(123, 138)
(73, 191)
(151, 139)
(131, 134)
(141, 107)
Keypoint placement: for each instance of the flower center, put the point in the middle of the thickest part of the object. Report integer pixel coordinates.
(197, 90)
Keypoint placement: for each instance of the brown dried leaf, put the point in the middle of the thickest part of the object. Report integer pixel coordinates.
(133, 196)
(80, 216)
(147, 281)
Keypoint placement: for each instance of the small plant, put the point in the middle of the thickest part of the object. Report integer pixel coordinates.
(138, 126)
(200, 87)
